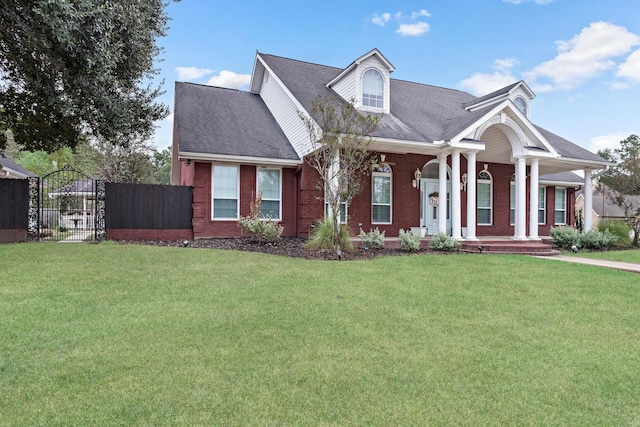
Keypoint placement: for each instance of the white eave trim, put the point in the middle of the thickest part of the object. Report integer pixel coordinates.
(7, 171)
(585, 164)
(237, 159)
(562, 183)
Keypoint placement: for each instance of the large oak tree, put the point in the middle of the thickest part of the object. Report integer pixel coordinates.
(71, 69)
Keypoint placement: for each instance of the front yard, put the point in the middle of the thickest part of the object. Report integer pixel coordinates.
(108, 334)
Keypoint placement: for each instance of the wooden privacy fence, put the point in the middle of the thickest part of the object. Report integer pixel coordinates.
(14, 210)
(148, 212)
(131, 211)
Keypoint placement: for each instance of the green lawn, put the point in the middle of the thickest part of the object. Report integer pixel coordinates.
(627, 255)
(106, 334)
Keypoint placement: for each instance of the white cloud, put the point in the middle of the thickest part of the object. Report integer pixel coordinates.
(413, 30)
(421, 12)
(381, 19)
(631, 67)
(484, 83)
(611, 140)
(192, 73)
(585, 56)
(230, 80)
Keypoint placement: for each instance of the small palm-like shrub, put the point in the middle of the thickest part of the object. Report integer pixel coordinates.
(373, 239)
(565, 237)
(617, 228)
(443, 242)
(322, 236)
(409, 241)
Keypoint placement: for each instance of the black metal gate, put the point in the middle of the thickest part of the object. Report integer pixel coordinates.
(66, 205)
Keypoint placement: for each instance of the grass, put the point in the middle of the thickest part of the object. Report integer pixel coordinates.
(627, 255)
(112, 334)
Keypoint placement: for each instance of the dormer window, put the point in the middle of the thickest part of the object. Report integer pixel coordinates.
(372, 89)
(522, 105)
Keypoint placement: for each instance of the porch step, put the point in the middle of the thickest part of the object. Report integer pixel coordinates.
(509, 247)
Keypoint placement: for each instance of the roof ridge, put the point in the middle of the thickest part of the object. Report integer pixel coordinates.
(211, 86)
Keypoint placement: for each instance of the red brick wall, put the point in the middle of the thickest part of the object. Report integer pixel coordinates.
(204, 226)
(302, 203)
(11, 236)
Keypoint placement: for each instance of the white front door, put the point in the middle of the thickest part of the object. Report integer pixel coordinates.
(429, 212)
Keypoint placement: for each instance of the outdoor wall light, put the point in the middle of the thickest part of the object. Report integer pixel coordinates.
(465, 179)
(416, 178)
(188, 162)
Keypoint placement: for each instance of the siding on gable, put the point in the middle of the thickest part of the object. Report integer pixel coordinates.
(347, 88)
(285, 112)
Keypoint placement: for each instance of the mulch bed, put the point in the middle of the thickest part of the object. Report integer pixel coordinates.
(287, 246)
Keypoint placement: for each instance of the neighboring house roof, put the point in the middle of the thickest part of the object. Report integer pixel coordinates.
(81, 186)
(212, 120)
(11, 170)
(602, 204)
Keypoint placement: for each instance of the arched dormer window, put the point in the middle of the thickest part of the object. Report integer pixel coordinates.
(372, 89)
(484, 198)
(522, 105)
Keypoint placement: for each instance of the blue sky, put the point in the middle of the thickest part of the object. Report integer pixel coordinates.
(580, 57)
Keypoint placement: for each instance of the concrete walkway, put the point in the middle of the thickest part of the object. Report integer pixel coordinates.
(626, 266)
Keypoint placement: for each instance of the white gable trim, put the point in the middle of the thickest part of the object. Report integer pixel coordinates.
(238, 159)
(497, 115)
(357, 62)
(490, 101)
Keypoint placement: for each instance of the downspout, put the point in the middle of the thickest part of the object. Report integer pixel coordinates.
(295, 197)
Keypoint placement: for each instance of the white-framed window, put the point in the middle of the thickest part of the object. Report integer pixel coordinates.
(484, 197)
(542, 205)
(269, 186)
(372, 89)
(522, 105)
(381, 195)
(225, 196)
(560, 208)
(344, 211)
(512, 203)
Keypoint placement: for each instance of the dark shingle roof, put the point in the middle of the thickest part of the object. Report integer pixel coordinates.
(562, 177)
(4, 162)
(568, 149)
(212, 120)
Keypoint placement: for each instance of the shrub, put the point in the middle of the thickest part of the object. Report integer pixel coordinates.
(595, 239)
(409, 241)
(617, 228)
(264, 229)
(373, 239)
(565, 237)
(62, 229)
(442, 242)
(322, 236)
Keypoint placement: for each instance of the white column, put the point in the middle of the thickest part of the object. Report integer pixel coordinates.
(442, 192)
(588, 201)
(533, 200)
(521, 200)
(455, 196)
(471, 196)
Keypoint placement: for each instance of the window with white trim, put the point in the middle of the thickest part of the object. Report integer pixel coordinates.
(522, 105)
(381, 195)
(372, 89)
(512, 203)
(225, 197)
(560, 208)
(343, 210)
(484, 186)
(270, 188)
(542, 205)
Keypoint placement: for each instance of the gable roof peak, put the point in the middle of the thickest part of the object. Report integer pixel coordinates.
(373, 52)
(499, 95)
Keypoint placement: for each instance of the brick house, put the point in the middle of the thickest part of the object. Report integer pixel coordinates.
(481, 152)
